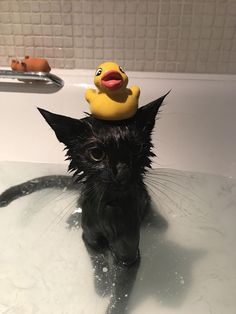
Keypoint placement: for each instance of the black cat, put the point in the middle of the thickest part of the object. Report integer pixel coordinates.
(109, 161)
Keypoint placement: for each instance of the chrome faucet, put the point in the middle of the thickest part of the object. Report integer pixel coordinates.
(32, 76)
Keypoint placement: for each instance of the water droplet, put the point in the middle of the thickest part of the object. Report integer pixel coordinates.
(77, 210)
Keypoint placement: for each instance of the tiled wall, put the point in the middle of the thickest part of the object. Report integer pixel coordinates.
(151, 35)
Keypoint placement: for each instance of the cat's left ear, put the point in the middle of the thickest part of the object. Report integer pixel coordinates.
(65, 128)
(146, 115)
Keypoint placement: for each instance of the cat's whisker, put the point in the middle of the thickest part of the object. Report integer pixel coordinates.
(171, 179)
(187, 213)
(150, 183)
(157, 173)
(100, 200)
(177, 173)
(152, 188)
(156, 197)
(66, 211)
(61, 196)
(55, 220)
(68, 194)
(175, 179)
(167, 197)
(89, 190)
(160, 183)
(159, 178)
(198, 212)
(167, 177)
(155, 163)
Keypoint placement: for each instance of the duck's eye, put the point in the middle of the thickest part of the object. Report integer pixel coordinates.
(98, 72)
(121, 70)
(96, 153)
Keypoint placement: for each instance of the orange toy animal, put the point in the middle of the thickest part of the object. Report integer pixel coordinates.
(30, 65)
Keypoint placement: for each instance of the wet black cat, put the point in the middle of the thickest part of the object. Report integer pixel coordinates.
(109, 161)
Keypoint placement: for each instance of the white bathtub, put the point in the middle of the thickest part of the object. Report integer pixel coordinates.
(196, 131)
(189, 268)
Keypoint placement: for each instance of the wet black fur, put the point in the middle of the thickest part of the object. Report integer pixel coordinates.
(113, 195)
(112, 192)
(31, 186)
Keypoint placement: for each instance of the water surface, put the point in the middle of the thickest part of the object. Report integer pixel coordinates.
(186, 267)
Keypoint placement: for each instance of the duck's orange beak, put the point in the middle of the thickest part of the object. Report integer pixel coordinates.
(112, 80)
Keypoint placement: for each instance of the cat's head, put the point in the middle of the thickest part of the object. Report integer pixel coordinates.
(113, 153)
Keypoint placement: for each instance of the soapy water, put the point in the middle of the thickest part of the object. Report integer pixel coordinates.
(186, 267)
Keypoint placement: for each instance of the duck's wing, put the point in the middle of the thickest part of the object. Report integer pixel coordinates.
(90, 94)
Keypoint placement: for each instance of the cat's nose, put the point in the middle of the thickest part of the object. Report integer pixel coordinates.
(122, 173)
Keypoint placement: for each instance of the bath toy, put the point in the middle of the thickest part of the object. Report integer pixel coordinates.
(30, 65)
(113, 100)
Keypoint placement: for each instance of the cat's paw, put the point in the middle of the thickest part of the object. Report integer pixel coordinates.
(126, 261)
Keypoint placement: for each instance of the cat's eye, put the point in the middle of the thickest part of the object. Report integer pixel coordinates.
(98, 72)
(96, 154)
(121, 70)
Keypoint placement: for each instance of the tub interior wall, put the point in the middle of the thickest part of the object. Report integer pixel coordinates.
(195, 130)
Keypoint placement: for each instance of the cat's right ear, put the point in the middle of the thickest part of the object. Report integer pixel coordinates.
(146, 115)
(65, 128)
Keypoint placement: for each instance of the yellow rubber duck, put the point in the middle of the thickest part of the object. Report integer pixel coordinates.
(113, 100)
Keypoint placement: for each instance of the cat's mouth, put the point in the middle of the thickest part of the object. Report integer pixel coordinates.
(112, 80)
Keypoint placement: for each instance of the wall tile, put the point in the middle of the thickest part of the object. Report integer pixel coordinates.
(151, 35)
(11, 51)
(35, 7)
(29, 51)
(170, 67)
(59, 63)
(69, 63)
(46, 18)
(36, 18)
(19, 40)
(20, 51)
(128, 64)
(49, 52)
(38, 41)
(152, 7)
(4, 6)
(7, 41)
(45, 6)
(47, 30)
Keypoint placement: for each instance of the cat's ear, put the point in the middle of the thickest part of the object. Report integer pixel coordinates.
(146, 115)
(65, 128)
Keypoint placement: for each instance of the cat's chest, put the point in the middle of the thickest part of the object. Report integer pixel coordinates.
(107, 211)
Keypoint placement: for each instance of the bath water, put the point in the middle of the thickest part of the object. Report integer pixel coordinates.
(187, 266)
